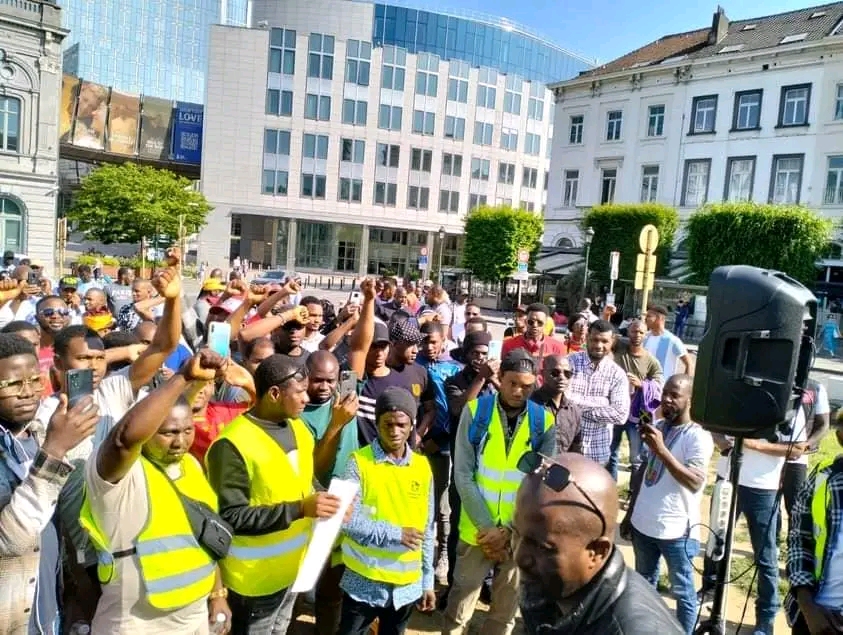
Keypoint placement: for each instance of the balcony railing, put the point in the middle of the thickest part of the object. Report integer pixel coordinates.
(833, 196)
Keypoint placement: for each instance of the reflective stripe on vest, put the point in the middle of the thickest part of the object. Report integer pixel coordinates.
(819, 512)
(398, 495)
(262, 565)
(176, 571)
(497, 476)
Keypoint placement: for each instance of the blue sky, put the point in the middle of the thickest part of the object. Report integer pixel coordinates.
(607, 29)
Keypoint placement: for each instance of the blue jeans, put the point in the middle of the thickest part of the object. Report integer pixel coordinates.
(758, 507)
(634, 447)
(265, 615)
(677, 553)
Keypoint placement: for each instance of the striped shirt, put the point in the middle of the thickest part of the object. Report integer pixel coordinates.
(668, 349)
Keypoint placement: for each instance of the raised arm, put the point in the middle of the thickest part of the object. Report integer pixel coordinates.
(364, 332)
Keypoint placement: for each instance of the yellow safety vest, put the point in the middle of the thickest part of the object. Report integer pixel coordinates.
(819, 514)
(394, 494)
(262, 565)
(175, 569)
(497, 475)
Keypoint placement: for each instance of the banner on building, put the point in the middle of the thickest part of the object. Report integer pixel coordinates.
(69, 93)
(156, 126)
(123, 122)
(91, 115)
(187, 133)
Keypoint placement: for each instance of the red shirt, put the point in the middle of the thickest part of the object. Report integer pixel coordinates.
(217, 415)
(45, 365)
(548, 346)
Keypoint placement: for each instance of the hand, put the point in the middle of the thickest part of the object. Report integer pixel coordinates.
(75, 301)
(216, 607)
(257, 294)
(44, 286)
(818, 618)
(292, 287)
(167, 283)
(652, 436)
(352, 313)
(68, 428)
(427, 603)
(30, 290)
(491, 368)
(412, 538)
(626, 528)
(495, 540)
(610, 310)
(344, 409)
(237, 376)
(320, 505)
(429, 447)
(135, 351)
(236, 287)
(206, 365)
(796, 451)
(634, 380)
(367, 287)
(10, 289)
(173, 257)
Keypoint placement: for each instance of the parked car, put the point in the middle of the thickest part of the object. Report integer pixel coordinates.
(271, 276)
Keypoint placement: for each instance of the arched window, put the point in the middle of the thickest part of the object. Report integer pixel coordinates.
(11, 225)
(9, 124)
(565, 243)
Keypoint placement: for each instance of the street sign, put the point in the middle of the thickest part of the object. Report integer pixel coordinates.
(423, 252)
(523, 256)
(522, 273)
(648, 240)
(614, 264)
(610, 299)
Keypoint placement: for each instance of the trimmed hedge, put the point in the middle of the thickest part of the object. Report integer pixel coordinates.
(493, 236)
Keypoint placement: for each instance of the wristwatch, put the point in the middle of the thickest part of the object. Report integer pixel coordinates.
(217, 595)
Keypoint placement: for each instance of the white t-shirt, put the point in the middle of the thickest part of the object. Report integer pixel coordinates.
(311, 344)
(121, 511)
(665, 509)
(668, 349)
(800, 426)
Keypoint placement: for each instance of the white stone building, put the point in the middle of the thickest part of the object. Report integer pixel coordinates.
(747, 110)
(30, 91)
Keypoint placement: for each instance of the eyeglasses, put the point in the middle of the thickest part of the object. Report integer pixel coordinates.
(558, 372)
(534, 322)
(557, 477)
(14, 387)
(48, 313)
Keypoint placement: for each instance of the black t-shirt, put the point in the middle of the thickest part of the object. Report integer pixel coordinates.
(411, 377)
(298, 360)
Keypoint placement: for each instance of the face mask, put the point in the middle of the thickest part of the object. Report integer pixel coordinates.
(14, 454)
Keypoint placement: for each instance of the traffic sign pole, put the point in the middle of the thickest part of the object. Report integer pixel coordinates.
(614, 266)
(645, 270)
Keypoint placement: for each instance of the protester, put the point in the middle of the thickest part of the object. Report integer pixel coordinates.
(121, 292)
(534, 340)
(553, 397)
(519, 323)
(664, 345)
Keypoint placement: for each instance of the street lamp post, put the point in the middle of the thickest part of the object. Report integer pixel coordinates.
(589, 234)
(441, 249)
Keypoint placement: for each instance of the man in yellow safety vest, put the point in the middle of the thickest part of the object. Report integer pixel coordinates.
(387, 546)
(494, 433)
(261, 467)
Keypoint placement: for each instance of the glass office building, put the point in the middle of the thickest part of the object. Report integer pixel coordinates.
(150, 47)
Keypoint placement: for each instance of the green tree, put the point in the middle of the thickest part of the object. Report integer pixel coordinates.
(786, 238)
(617, 227)
(493, 236)
(129, 202)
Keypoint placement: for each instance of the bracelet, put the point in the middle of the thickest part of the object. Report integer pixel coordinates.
(218, 595)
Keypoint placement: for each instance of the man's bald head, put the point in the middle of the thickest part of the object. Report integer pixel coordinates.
(323, 371)
(322, 361)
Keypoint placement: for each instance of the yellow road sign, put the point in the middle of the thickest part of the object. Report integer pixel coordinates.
(648, 239)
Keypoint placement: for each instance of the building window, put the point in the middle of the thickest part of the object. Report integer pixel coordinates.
(427, 74)
(351, 190)
(418, 197)
(315, 146)
(393, 70)
(483, 133)
(529, 178)
(577, 122)
(278, 102)
(614, 122)
(740, 175)
(449, 201)
(276, 142)
(275, 182)
(454, 128)
(424, 122)
(346, 255)
(354, 112)
(358, 57)
(838, 103)
(451, 164)
(386, 193)
(282, 51)
(477, 200)
(528, 206)
(320, 61)
(486, 91)
(793, 108)
(480, 169)
(747, 114)
(353, 151)
(546, 179)
(532, 144)
(572, 184)
(512, 95)
(314, 243)
(458, 81)
(317, 107)
(649, 183)
(655, 121)
(786, 180)
(509, 139)
(608, 182)
(388, 155)
(421, 160)
(313, 186)
(276, 153)
(535, 106)
(703, 114)
(834, 182)
(389, 117)
(695, 190)
(506, 173)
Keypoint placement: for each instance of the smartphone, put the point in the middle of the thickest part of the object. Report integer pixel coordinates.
(348, 383)
(33, 279)
(79, 382)
(219, 338)
(355, 297)
(495, 348)
(645, 419)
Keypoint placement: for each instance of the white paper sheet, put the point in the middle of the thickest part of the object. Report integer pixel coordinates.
(325, 532)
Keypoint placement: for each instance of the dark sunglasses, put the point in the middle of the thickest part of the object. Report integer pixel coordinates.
(48, 313)
(557, 477)
(558, 372)
(534, 323)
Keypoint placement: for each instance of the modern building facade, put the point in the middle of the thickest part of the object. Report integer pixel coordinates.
(750, 110)
(342, 135)
(30, 91)
(146, 47)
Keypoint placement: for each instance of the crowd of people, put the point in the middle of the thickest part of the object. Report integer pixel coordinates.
(179, 491)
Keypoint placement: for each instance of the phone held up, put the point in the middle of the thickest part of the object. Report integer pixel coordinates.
(348, 383)
(80, 383)
(219, 338)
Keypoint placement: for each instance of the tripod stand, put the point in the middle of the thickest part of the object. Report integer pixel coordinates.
(715, 624)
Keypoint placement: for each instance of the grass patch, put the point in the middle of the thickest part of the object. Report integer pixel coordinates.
(741, 575)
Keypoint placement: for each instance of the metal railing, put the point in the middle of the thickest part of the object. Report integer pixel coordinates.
(833, 196)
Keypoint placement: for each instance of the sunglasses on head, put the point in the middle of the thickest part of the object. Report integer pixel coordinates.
(298, 375)
(557, 477)
(558, 372)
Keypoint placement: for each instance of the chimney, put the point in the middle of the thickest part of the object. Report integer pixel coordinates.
(719, 26)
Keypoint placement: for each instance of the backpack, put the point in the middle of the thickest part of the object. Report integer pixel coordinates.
(483, 416)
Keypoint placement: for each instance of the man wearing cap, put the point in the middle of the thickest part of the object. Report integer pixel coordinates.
(519, 322)
(534, 340)
(405, 336)
(387, 546)
(66, 290)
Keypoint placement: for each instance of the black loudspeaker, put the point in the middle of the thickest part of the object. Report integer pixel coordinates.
(755, 354)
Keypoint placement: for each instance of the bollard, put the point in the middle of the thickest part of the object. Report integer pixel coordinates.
(342, 284)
